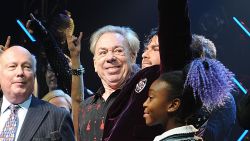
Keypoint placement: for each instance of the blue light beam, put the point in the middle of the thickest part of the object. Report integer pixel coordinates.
(242, 27)
(243, 135)
(245, 92)
(26, 31)
(240, 86)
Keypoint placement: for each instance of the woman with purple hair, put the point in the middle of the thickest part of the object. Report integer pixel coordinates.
(175, 96)
(214, 123)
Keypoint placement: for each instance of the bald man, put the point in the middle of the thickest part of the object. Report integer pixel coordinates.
(37, 120)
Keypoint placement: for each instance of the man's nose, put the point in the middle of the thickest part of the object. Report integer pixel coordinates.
(20, 71)
(145, 54)
(111, 57)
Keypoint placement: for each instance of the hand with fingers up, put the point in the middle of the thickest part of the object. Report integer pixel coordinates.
(6, 46)
(74, 44)
(36, 27)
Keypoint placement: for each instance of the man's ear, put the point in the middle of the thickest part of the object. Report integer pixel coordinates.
(174, 105)
(94, 64)
(133, 58)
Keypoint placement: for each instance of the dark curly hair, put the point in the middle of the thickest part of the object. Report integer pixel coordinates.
(148, 38)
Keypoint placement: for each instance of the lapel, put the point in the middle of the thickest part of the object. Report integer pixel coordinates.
(34, 117)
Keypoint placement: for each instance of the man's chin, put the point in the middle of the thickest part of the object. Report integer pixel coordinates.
(18, 97)
(145, 66)
(115, 71)
(115, 83)
(21, 90)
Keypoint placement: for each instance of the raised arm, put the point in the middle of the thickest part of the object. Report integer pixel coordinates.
(54, 54)
(174, 34)
(77, 93)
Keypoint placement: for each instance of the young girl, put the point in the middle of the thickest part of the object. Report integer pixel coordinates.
(175, 96)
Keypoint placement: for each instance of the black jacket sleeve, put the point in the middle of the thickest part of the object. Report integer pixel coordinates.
(174, 34)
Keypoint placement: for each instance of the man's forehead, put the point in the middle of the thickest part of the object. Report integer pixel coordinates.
(14, 56)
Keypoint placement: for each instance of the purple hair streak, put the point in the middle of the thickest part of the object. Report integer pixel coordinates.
(211, 81)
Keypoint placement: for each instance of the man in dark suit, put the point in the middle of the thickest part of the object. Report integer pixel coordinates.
(37, 120)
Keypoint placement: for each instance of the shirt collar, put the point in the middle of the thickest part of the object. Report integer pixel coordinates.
(179, 130)
(101, 91)
(6, 104)
(98, 94)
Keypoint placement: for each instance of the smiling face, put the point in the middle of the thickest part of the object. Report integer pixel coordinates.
(156, 105)
(17, 74)
(151, 54)
(112, 59)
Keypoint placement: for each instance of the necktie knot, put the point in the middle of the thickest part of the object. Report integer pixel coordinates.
(14, 108)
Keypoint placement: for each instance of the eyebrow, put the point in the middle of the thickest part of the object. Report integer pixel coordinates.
(114, 47)
(151, 91)
(27, 63)
(154, 46)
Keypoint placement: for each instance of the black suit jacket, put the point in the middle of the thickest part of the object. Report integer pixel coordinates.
(45, 121)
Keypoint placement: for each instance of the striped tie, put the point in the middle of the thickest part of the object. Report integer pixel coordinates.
(9, 131)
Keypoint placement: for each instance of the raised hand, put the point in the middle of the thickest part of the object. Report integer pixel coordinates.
(35, 26)
(74, 44)
(7, 44)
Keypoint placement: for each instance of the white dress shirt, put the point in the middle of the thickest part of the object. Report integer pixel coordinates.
(5, 113)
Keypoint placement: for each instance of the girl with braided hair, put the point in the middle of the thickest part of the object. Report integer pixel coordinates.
(175, 96)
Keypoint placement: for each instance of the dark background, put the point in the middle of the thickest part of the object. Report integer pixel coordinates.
(212, 18)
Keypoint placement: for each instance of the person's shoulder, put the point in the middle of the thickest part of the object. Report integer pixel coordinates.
(152, 70)
(229, 102)
(228, 105)
(44, 105)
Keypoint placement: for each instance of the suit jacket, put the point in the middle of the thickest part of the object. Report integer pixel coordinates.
(46, 122)
(124, 121)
